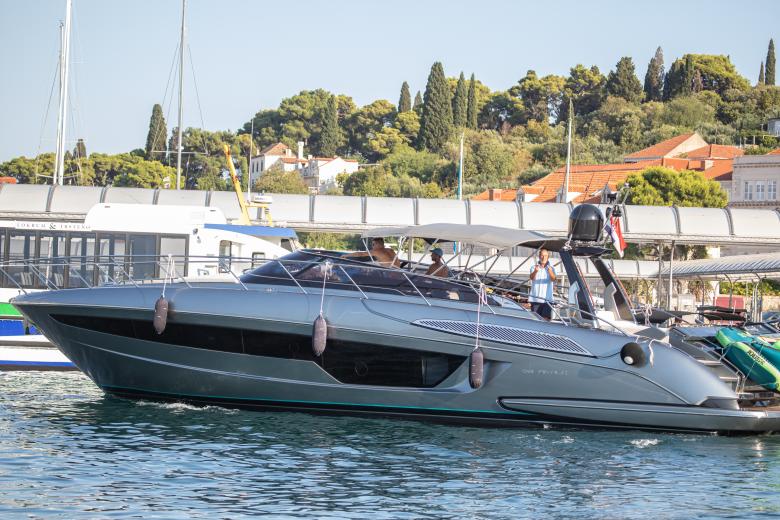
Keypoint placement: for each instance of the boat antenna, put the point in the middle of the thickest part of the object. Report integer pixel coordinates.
(62, 116)
(565, 190)
(181, 94)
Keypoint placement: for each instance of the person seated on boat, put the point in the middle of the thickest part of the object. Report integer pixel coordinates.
(542, 278)
(437, 267)
(384, 256)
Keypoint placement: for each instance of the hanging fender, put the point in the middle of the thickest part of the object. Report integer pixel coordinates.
(319, 336)
(476, 368)
(160, 314)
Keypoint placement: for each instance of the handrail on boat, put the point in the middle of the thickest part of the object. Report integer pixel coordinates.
(97, 271)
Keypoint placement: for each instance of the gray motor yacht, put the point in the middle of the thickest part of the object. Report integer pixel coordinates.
(321, 332)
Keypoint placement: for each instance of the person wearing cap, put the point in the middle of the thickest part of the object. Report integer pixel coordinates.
(437, 267)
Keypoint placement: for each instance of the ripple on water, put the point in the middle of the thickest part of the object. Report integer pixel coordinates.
(67, 450)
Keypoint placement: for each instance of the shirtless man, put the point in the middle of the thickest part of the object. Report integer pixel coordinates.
(380, 254)
(437, 267)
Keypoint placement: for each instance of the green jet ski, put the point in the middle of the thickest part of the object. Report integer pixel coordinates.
(754, 357)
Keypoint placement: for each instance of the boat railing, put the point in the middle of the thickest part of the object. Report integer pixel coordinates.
(308, 274)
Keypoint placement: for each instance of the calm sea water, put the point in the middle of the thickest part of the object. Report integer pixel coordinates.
(67, 451)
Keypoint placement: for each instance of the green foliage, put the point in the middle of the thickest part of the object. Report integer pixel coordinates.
(377, 181)
(366, 124)
(80, 150)
(405, 101)
(623, 83)
(658, 186)
(331, 138)
(654, 77)
(426, 166)
(541, 97)
(688, 112)
(761, 78)
(418, 103)
(471, 107)
(501, 110)
(718, 74)
(158, 134)
(460, 103)
(276, 180)
(766, 287)
(436, 120)
(330, 241)
(770, 64)
(586, 88)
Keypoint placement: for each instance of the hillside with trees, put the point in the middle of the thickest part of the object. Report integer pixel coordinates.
(410, 148)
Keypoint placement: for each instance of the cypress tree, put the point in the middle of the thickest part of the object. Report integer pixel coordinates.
(769, 68)
(460, 103)
(330, 138)
(688, 75)
(158, 133)
(405, 101)
(654, 77)
(417, 106)
(436, 120)
(622, 82)
(761, 80)
(80, 151)
(471, 109)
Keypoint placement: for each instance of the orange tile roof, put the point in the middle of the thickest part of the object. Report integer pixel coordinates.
(292, 160)
(274, 149)
(716, 151)
(721, 170)
(776, 151)
(661, 149)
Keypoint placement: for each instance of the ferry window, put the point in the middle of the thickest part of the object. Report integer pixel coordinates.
(224, 256)
(21, 247)
(257, 259)
(177, 248)
(143, 256)
(111, 258)
(51, 258)
(81, 252)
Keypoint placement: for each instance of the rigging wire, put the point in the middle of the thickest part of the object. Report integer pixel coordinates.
(45, 119)
(197, 98)
(171, 76)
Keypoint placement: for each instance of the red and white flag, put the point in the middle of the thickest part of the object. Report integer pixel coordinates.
(612, 227)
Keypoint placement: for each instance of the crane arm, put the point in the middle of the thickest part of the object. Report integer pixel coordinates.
(237, 187)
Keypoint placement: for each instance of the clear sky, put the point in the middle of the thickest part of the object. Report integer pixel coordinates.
(249, 55)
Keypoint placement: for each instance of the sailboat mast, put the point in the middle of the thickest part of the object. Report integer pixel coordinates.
(181, 95)
(62, 114)
(565, 194)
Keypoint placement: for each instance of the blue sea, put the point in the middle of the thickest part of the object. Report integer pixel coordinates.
(69, 451)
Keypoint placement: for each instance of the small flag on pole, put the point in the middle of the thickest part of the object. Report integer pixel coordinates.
(612, 228)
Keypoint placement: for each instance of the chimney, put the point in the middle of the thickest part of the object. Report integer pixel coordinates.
(300, 149)
(494, 194)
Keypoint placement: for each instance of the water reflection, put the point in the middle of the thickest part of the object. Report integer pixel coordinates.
(67, 450)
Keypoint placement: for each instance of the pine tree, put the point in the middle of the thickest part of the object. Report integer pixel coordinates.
(436, 120)
(418, 102)
(654, 78)
(622, 82)
(769, 67)
(471, 109)
(405, 101)
(761, 80)
(331, 136)
(158, 133)
(460, 103)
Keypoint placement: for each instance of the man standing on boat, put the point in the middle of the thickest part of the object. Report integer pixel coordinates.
(542, 278)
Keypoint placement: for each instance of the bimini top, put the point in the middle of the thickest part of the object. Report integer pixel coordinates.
(481, 235)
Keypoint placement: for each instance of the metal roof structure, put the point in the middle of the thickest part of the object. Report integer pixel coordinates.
(733, 268)
(641, 224)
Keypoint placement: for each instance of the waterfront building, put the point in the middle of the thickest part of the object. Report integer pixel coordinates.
(593, 182)
(755, 181)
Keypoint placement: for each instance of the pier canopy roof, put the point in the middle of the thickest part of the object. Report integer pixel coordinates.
(481, 235)
(734, 268)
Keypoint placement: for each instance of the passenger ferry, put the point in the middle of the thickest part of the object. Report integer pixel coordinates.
(126, 241)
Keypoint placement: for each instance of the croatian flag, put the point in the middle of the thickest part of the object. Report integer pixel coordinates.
(612, 227)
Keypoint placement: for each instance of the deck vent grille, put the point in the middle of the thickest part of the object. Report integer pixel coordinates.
(504, 334)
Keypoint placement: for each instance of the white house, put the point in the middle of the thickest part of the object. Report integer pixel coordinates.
(320, 172)
(275, 154)
(755, 180)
